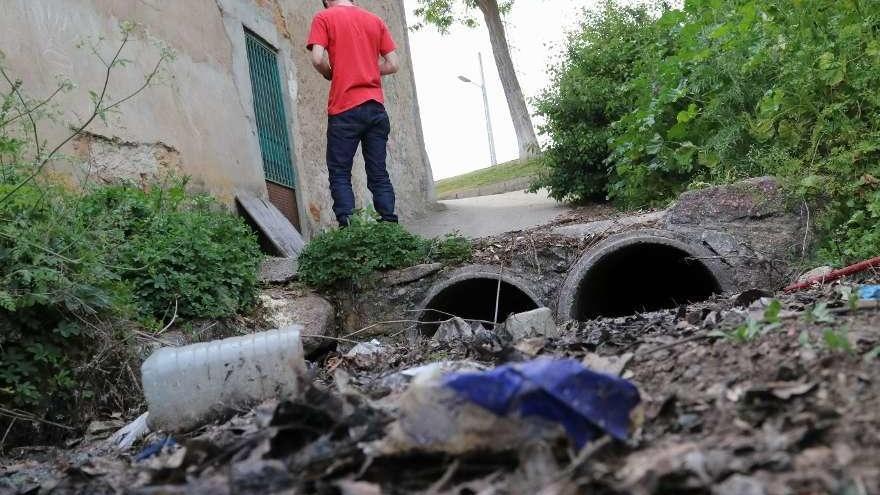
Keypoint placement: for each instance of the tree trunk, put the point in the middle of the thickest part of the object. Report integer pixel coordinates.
(519, 113)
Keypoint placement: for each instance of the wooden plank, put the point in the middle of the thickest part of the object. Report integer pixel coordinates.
(273, 225)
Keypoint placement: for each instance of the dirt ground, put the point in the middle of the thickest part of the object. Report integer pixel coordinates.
(753, 393)
(791, 410)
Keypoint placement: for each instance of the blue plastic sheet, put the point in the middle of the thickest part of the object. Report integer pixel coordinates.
(154, 448)
(584, 402)
(869, 292)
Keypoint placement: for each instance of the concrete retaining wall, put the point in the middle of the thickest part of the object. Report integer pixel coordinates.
(518, 184)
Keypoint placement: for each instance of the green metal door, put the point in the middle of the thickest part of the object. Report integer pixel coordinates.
(269, 111)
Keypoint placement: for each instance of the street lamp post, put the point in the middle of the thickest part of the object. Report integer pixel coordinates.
(482, 86)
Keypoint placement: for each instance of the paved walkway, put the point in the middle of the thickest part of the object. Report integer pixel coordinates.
(489, 215)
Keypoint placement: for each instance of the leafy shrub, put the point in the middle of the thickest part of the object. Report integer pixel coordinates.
(451, 248)
(739, 88)
(55, 284)
(588, 92)
(368, 245)
(181, 252)
(75, 269)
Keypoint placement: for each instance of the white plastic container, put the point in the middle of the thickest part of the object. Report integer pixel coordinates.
(187, 386)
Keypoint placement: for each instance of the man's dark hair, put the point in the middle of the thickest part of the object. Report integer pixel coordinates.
(324, 3)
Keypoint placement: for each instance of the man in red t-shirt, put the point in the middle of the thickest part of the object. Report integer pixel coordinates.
(353, 49)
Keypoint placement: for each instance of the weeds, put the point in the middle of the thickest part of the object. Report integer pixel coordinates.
(836, 340)
(754, 328)
(368, 245)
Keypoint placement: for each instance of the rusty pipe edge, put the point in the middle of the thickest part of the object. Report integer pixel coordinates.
(567, 299)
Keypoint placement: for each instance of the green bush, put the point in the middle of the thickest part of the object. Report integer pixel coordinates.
(55, 286)
(179, 251)
(368, 245)
(731, 89)
(588, 92)
(76, 269)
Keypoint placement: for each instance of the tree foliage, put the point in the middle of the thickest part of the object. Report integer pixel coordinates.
(444, 14)
(727, 89)
(587, 94)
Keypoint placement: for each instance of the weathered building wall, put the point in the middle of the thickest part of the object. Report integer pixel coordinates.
(407, 162)
(200, 118)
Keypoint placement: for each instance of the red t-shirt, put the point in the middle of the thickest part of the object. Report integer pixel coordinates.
(354, 39)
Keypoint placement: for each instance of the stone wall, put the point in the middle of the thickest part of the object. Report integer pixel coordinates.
(199, 120)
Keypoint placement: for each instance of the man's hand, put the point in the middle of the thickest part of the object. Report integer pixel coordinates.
(390, 64)
(321, 62)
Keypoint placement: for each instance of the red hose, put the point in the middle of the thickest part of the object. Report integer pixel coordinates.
(836, 274)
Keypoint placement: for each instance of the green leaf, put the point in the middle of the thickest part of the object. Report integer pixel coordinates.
(721, 31)
(821, 314)
(835, 340)
(771, 313)
(7, 302)
(685, 116)
(812, 181)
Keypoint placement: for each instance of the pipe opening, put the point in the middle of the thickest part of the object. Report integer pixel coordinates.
(642, 277)
(474, 299)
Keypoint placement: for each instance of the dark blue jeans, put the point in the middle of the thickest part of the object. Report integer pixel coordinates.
(367, 125)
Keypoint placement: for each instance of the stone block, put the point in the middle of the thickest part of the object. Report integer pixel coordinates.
(278, 270)
(536, 323)
(316, 315)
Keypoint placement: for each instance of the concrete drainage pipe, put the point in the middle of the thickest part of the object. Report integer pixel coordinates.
(639, 271)
(470, 294)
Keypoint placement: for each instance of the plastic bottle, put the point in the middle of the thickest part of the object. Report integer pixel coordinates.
(186, 387)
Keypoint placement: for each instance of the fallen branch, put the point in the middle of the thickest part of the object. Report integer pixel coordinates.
(327, 337)
(6, 435)
(452, 315)
(498, 293)
(583, 455)
(836, 274)
(416, 322)
(173, 317)
(379, 324)
(440, 483)
(15, 414)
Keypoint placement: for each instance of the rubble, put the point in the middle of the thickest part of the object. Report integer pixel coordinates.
(366, 354)
(316, 315)
(779, 413)
(536, 323)
(756, 392)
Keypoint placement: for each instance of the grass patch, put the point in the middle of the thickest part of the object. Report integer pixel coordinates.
(486, 176)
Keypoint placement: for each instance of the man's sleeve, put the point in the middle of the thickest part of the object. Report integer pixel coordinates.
(386, 43)
(319, 34)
